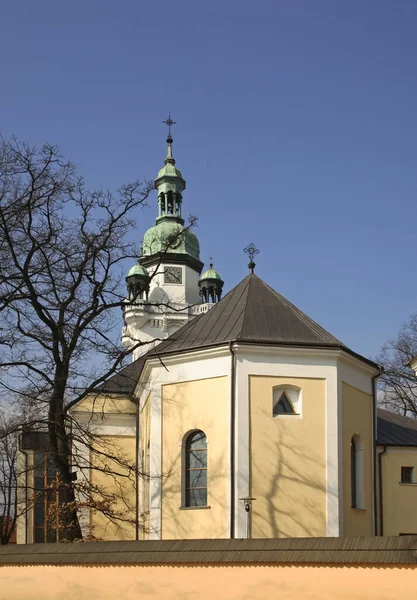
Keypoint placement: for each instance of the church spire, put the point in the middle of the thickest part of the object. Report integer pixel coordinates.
(169, 159)
(170, 184)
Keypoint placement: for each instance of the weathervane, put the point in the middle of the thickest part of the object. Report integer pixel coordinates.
(170, 123)
(251, 250)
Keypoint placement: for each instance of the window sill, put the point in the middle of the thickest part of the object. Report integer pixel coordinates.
(193, 507)
(286, 416)
(358, 509)
(407, 483)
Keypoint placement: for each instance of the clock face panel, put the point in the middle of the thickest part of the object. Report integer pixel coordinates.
(173, 275)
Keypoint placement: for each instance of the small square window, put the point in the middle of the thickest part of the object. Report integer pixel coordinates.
(407, 474)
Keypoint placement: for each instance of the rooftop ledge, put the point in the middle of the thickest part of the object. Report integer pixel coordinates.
(401, 550)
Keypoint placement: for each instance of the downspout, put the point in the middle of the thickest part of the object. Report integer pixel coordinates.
(381, 515)
(374, 435)
(137, 469)
(232, 438)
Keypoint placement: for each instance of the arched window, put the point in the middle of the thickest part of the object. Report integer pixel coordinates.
(195, 475)
(356, 472)
(353, 472)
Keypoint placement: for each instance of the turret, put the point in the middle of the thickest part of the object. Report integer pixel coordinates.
(211, 286)
(137, 282)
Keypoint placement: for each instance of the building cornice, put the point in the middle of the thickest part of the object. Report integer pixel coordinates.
(172, 258)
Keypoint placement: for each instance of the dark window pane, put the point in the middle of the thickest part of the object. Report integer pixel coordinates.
(39, 464)
(197, 459)
(39, 513)
(196, 440)
(39, 482)
(51, 535)
(39, 535)
(52, 470)
(407, 474)
(196, 469)
(353, 472)
(197, 478)
(283, 407)
(197, 497)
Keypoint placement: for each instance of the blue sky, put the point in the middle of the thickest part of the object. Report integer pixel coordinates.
(296, 130)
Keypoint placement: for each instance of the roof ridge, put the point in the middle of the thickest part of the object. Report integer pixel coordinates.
(247, 289)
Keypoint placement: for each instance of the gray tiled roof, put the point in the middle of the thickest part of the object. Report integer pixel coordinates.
(395, 430)
(366, 550)
(251, 312)
(124, 381)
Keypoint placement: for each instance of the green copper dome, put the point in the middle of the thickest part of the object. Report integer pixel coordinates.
(138, 270)
(170, 236)
(211, 274)
(169, 171)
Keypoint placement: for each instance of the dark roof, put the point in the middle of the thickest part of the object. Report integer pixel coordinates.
(121, 383)
(34, 440)
(251, 312)
(395, 430)
(124, 381)
(367, 550)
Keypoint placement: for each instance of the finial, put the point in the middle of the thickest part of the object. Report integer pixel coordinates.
(170, 123)
(211, 262)
(251, 250)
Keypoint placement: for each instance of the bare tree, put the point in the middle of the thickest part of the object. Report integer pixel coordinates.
(62, 249)
(398, 383)
(8, 478)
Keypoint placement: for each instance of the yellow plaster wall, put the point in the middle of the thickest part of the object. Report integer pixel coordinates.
(117, 486)
(205, 582)
(399, 499)
(288, 461)
(100, 403)
(145, 436)
(187, 406)
(357, 419)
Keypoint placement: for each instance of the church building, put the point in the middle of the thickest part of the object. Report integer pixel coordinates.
(248, 418)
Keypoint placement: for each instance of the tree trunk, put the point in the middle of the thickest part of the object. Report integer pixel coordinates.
(60, 450)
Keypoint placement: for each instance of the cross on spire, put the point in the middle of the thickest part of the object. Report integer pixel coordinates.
(251, 250)
(170, 123)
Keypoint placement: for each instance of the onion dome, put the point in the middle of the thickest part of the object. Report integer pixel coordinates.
(137, 281)
(211, 285)
(171, 237)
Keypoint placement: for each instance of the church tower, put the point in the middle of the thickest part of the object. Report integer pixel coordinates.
(164, 288)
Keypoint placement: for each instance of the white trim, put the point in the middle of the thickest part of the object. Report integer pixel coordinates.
(334, 456)
(82, 453)
(242, 443)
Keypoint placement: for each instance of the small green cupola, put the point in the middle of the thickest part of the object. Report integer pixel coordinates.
(211, 286)
(170, 186)
(137, 282)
